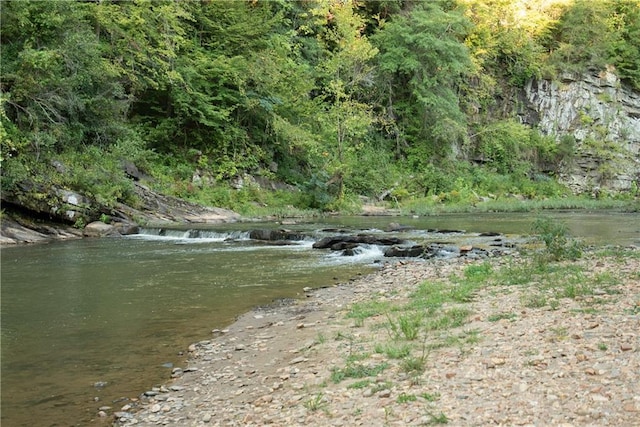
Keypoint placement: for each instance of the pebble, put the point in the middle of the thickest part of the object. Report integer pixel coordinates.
(541, 367)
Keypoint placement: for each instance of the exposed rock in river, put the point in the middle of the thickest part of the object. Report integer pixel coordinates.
(61, 214)
(337, 242)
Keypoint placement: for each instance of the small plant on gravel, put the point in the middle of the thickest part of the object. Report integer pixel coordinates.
(559, 334)
(384, 385)
(407, 326)
(429, 296)
(478, 273)
(515, 274)
(406, 398)
(342, 337)
(430, 397)
(452, 318)
(363, 310)
(607, 280)
(359, 384)
(320, 338)
(534, 300)
(356, 357)
(574, 290)
(602, 346)
(356, 370)
(393, 351)
(437, 419)
(500, 316)
(315, 403)
(413, 365)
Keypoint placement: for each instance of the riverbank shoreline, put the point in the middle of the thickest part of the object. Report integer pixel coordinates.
(345, 356)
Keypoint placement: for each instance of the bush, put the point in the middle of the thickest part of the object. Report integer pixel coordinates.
(558, 244)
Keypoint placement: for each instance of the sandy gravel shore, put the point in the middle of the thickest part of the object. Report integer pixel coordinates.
(526, 353)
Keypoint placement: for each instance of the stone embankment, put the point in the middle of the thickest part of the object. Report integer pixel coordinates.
(44, 222)
(528, 352)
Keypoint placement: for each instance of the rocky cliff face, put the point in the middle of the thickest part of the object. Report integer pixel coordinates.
(596, 115)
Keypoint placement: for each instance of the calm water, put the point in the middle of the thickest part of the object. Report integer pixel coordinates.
(119, 311)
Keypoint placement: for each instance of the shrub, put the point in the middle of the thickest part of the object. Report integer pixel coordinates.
(558, 244)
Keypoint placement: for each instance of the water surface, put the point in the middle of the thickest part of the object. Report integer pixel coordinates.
(86, 323)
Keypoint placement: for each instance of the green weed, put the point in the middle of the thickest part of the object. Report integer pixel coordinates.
(534, 300)
(359, 384)
(406, 398)
(407, 326)
(413, 365)
(500, 316)
(320, 338)
(393, 351)
(316, 403)
(357, 357)
(367, 309)
(356, 371)
(478, 273)
(437, 419)
(451, 318)
(558, 245)
(430, 397)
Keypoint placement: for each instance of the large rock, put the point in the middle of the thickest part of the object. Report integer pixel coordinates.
(275, 235)
(14, 232)
(99, 229)
(338, 242)
(601, 115)
(406, 251)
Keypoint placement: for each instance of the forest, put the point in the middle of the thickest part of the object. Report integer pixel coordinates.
(307, 104)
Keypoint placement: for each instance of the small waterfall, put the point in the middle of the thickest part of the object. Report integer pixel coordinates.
(192, 234)
(363, 254)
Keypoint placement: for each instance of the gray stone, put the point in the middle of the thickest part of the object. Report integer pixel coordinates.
(596, 107)
(98, 229)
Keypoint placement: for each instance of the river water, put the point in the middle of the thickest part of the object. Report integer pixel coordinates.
(88, 323)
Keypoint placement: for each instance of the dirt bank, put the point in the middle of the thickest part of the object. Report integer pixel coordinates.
(527, 352)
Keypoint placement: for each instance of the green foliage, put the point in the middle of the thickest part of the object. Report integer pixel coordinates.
(356, 371)
(97, 175)
(421, 61)
(406, 398)
(315, 403)
(393, 351)
(509, 147)
(406, 326)
(338, 98)
(434, 419)
(362, 311)
(558, 244)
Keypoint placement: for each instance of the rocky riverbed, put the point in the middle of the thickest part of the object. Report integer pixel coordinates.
(557, 348)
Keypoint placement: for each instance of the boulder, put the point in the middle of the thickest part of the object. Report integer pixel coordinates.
(368, 239)
(126, 228)
(275, 235)
(131, 170)
(405, 251)
(99, 229)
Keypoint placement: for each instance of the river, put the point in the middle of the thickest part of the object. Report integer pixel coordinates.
(90, 323)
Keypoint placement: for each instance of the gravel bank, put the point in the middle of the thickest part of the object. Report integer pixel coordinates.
(527, 353)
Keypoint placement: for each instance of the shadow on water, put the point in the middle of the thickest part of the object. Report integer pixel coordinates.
(90, 323)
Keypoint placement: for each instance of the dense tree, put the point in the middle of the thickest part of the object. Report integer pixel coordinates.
(334, 96)
(58, 88)
(421, 61)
